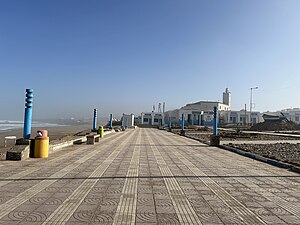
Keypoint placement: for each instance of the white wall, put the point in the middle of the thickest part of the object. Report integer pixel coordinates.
(128, 120)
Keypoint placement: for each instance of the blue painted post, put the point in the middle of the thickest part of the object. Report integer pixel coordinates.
(95, 120)
(215, 131)
(110, 121)
(28, 114)
(199, 119)
(182, 121)
(170, 122)
(123, 120)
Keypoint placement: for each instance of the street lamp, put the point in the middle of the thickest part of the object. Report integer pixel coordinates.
(251, 101)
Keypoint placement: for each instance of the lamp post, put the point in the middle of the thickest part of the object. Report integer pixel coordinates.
(251, 102)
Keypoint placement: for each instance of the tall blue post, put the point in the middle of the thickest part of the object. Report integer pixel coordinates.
(110, 120)
(215, 130)
(28, 114)
(199, 119)
(123, 120)
(170, 122)
(95, 120)
(182, 121)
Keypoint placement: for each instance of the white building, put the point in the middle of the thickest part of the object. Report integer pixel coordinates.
(199, 113)
(127, 120)
(152, 118)
(292, 114)
(239, 117)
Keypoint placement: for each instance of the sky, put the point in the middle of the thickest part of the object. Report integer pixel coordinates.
(124, 56)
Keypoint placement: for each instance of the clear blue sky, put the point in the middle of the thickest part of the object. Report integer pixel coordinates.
(125, 56)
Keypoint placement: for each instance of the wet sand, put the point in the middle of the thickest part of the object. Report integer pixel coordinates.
(54, 133)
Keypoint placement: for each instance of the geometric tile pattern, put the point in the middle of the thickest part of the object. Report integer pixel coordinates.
(147, 176)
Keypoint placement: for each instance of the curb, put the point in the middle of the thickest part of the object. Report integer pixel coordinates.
(261, 158)
(198, 139)
(55, 147)
(272, 162)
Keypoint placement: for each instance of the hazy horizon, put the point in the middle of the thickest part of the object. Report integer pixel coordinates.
(124, 56)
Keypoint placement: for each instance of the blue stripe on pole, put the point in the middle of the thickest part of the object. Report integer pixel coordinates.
(95, 119)
(215, 128)
(110, 120)
(28, 114)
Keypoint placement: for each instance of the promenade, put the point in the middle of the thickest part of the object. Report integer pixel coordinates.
(146, 177)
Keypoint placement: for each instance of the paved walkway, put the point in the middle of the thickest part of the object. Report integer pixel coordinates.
(147, 176)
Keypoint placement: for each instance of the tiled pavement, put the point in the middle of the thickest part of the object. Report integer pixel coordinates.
(147, 176)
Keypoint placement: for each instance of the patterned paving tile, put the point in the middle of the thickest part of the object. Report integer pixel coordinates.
(159, 191)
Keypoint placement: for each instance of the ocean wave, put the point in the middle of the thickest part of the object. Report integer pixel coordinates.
(6, 125)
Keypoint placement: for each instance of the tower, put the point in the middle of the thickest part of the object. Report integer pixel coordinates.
(227, 97)
(159, 108)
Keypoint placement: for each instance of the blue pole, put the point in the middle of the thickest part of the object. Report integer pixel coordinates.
(199, 119)
(170, 122)
(182, 121)
(95, 119)
(110, 121)
(28, 114)
(215, 130)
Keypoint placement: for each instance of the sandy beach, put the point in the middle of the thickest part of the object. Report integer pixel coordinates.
(54, 133)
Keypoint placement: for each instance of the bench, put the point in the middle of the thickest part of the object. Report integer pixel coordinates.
(92, 138)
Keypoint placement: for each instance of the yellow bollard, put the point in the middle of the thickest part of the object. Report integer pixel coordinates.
(41, 144)
(101, 131)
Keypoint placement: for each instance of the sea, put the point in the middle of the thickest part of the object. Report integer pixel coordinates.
(7, 125)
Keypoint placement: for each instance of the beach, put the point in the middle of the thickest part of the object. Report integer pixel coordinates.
(54, 132)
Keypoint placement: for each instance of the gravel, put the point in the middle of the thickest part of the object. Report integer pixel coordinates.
(275, 126)
(284, 152)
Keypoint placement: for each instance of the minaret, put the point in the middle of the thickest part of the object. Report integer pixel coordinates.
(227, 97)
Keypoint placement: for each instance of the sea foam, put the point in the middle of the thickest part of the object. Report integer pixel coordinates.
(6, 125)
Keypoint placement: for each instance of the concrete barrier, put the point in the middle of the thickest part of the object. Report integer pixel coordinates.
(18, 152)
(58, 146)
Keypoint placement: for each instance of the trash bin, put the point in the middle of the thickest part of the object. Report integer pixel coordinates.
(101, 131)
(41, 144)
